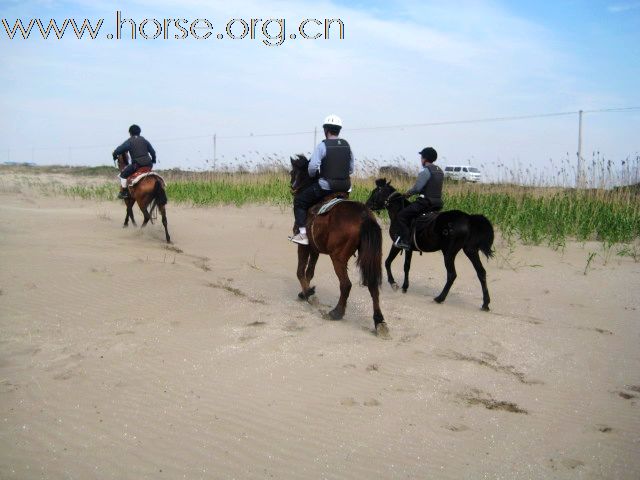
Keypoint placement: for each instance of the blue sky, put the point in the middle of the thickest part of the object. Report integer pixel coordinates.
(401, 62)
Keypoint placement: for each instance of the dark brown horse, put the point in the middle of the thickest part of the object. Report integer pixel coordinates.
(148, 191)
(348, 227)
(450, 232)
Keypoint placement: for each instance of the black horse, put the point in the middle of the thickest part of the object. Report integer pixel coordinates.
(450, 232)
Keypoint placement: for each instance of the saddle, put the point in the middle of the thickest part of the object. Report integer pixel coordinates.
(420, 224)
(327, 203)
(141, 173)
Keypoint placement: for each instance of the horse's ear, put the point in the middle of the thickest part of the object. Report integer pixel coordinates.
(293, 161)
(381, 182)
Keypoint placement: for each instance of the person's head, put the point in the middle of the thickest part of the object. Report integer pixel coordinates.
(134, 130)
(428, 155)
(332, 125)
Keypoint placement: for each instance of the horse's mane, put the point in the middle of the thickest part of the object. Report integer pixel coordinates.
(299, 160)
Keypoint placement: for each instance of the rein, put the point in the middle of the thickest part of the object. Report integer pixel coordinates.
(391, 197)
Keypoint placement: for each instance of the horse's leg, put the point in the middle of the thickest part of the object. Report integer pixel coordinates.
(126, 217)
(407, 266)
(133, 220)
(340, 266)
(303, 259)
(393, 253)
(449, 263)
(482, 275)
(142, 203)
(311, 269)
(378, 319)
(163, 212)
(129, 204)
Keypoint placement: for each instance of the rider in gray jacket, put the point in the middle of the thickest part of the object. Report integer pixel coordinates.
(428, 187)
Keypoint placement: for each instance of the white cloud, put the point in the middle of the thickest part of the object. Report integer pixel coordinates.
(623, 7)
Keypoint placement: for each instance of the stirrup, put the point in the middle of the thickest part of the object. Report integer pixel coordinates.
(401, 244)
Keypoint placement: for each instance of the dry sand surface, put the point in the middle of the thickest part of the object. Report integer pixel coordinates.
(124, 358)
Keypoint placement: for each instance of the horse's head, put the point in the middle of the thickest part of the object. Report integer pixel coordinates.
(379, 197)
(122, 160)
(299, 173)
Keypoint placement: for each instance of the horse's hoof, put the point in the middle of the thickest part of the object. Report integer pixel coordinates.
(308, 294)
(485, 308)
(395, 287)
(382, 331)
(438, 299)
(335, 315)
(404, 289)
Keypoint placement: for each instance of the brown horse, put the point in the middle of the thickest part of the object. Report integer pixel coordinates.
(348, 227)
(149, 190)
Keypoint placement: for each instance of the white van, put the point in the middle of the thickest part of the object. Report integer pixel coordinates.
(462, 173)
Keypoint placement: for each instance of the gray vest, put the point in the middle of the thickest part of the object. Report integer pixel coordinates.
(139, 151)
(432, 191)
(335, 165)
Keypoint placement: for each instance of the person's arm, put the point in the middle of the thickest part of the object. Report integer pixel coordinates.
(122, 148)
(421, 181)
(151, 151)
(316, 159)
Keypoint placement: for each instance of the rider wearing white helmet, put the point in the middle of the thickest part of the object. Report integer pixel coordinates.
(333, 161)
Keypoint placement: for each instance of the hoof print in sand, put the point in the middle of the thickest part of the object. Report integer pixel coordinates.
(477, 397)
(292, 327)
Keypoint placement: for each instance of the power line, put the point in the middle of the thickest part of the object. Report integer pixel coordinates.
(362, 129)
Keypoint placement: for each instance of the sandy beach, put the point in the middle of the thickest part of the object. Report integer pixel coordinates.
(123, 357)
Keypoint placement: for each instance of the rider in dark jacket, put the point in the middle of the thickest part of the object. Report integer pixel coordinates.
(142, 155)
(428, 186)
(334, 160)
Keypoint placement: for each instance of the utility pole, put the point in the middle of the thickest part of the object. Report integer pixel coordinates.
(580, 167)
(215, 150)
(315, 137)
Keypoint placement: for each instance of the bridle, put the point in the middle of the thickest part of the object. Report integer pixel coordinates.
(391, 197)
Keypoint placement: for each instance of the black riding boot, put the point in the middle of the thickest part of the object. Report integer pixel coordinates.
(124, 193)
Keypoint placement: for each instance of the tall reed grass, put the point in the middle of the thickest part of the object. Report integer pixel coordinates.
(534, 214)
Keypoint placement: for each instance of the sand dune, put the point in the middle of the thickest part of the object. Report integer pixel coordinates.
(126, 358)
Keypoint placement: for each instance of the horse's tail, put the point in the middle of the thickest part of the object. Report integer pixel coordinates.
(159, 196)
(370, 252)
(481, 234)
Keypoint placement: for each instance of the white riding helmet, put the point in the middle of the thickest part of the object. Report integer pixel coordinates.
(332, 120)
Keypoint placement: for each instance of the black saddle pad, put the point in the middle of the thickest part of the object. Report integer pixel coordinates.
(424, 221)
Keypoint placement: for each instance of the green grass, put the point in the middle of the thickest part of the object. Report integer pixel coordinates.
(535, 215)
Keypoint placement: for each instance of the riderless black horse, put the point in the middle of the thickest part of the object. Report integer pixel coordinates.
(449, 231)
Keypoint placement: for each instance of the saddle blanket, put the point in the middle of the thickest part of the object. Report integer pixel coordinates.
(326, 207)
(136, 177)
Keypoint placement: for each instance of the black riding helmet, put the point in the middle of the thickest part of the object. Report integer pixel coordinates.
(429, 154)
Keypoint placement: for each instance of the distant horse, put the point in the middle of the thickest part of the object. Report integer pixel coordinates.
(149, 190)
(346, 228)
(450, 232)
